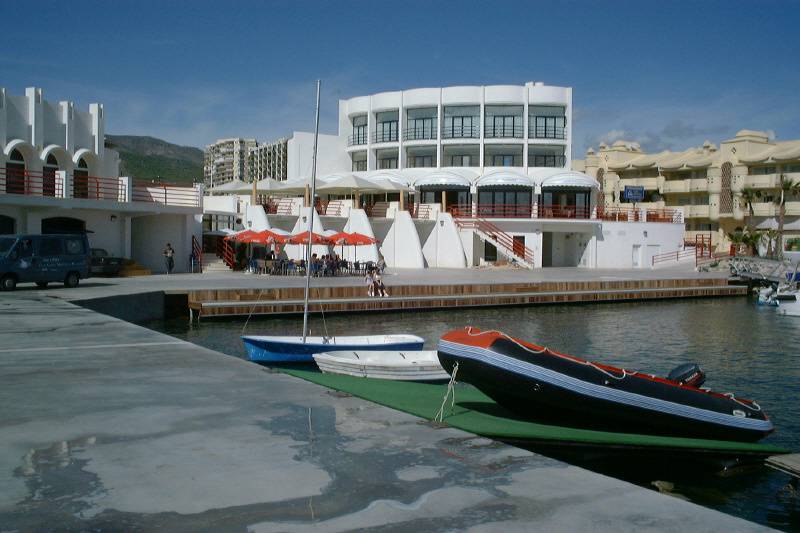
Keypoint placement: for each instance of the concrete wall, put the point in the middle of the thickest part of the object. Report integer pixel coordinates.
(331, 155)
(616, 242)
(151, 233)
(358, 222)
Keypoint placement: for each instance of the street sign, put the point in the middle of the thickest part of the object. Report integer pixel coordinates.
(633, 194)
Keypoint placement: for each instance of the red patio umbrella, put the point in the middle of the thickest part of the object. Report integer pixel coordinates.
(242, 236)
(359, 239)
(268, 237)
(339, 238)
(303, 238)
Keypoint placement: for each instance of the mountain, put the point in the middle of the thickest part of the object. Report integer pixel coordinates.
(145, 157)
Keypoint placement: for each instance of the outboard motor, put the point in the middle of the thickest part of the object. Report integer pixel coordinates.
(688, 374)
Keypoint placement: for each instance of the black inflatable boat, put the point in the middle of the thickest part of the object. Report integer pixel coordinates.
(538, 383)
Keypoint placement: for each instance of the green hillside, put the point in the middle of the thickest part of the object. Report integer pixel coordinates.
(145, 157)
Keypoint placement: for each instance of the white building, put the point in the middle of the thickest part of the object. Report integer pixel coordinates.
(56, 175)
(227, 160)
(489, 168)
(268, 160)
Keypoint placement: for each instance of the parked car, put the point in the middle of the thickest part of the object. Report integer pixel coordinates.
(102, 263)
(43, 259)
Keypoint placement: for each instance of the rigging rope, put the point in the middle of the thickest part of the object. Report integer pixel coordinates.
(251, 310)
(450, 390)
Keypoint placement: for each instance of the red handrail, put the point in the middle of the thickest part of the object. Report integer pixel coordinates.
(197, 252)
(502, 238)
(28, 183)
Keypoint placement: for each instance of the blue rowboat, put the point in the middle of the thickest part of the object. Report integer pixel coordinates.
(266, 349)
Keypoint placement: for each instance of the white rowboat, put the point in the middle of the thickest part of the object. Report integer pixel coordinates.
(401, 365)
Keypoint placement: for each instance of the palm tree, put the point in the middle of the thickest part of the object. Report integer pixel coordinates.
(747, 198)
(737, 240)
(788, 188)
(771, 236)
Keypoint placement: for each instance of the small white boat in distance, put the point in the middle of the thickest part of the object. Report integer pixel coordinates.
(416, 365)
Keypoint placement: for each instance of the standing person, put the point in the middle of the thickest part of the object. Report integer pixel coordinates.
(169, 258)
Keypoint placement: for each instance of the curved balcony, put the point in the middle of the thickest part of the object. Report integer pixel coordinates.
(461, 132)
(420, 134)
(384, 136)
(503, 132)
(357, 139)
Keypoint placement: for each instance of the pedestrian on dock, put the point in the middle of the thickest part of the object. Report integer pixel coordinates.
(380, 288)
(169, 258)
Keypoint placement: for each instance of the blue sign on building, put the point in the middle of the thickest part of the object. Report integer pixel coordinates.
(633, 194)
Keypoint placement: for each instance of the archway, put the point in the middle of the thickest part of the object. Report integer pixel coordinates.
(15, 173)
(49, 176)
(80, 180)
(63, 225)
(8, 225)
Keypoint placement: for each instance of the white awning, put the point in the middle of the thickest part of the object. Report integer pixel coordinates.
(442, 179)
(505, 178)
(571, 178)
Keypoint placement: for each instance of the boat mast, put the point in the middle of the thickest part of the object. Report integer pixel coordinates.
(311, 218)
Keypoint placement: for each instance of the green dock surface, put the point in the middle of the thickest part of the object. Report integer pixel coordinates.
(425, 399)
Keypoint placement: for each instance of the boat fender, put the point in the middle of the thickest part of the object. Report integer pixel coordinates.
(688, 374)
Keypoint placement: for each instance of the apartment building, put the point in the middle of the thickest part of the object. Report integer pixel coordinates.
(227, 160)
(268, 160)
(705, 181)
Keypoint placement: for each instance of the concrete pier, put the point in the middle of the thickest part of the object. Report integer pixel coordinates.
(105, 425)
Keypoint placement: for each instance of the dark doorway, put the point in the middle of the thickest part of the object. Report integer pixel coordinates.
(519, 245)
(15, 173)
(547, 249)
(49, 176)
(80, 180)
(489, 252)
(7, 225)
(63, 225)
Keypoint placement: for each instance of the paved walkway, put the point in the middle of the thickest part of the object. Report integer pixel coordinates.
(102, 287)
(105, 425)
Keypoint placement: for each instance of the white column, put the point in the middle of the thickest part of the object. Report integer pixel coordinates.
(481, 127)
(126, 189)
(126, 236)
(98, 128)
(439, 132)
(525, 126)
(64, 183)
(35, 116)
(2, 116)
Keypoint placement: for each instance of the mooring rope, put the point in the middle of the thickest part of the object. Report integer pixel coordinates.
(450, 390)
(252, 308)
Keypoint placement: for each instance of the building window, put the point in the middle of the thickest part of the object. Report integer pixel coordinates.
(503, 122)
(761, 171)
(424, 161)
(546, 122)
(387, 162)
(359, 161)
(421, 124)
(387, 126)
(503, 160)
(461, 122)
(791, 168)
(359, 135)
(546, 156)
(461, 160)
(80, 180)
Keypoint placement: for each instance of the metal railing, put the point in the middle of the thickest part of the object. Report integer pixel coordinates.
(384, 136)
(27, 183)
(566, 212)
(164, 193)
(547, 132)
(377, 210)
(96, 188)
(502, 238)
(197, 255)
(419, 134)
(492, 131)
(357, 139)
(423, 211)
(461, 132)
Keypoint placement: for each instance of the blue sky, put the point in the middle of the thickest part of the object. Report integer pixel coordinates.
(668, 74)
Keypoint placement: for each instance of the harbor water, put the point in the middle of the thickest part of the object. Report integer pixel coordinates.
(743, 348)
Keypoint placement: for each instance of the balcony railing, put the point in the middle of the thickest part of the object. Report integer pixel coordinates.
(30, 183)
(566, 212)
(164, 193)
(461, 132)
(419, 134)
(556, 161)
(384, 136)
(547, 132)
(492, 131)
(357, 139)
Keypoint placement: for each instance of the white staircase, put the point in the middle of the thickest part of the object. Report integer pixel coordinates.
(502, 241)
(212, 263)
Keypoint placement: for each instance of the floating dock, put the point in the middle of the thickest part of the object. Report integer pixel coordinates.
(289, 300)
(475, 412)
